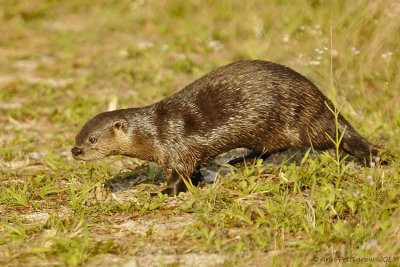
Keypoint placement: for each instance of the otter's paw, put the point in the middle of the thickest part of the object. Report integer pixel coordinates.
(170, 191)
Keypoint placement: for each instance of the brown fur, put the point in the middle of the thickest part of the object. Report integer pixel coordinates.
(259, 105)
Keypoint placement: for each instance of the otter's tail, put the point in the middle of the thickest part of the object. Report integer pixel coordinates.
(356, 145)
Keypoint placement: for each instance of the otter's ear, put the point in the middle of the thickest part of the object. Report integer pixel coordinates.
(118, 125)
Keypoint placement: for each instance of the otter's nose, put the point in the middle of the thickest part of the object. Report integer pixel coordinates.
(76, 151)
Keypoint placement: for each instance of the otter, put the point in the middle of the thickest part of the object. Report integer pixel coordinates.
(258, 105)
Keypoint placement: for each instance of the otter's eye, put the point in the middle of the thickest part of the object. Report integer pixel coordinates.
(93, 140)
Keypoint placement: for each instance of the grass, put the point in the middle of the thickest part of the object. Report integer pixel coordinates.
(61, 62)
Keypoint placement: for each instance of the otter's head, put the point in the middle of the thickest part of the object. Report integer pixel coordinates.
(104, 135)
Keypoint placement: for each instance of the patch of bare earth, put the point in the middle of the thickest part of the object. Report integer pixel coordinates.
(164, 234)
(190, 259)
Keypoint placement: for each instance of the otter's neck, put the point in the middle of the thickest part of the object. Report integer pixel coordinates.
(142, 133)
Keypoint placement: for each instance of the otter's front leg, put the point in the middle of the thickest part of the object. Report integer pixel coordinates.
(175, 184)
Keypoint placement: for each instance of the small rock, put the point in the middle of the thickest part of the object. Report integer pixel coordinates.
(37, 217)
(369, 244)
(34, 156)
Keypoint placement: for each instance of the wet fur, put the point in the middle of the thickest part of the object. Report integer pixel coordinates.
(259, 105)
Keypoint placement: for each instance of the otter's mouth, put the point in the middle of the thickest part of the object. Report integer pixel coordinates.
(79, 154)
(80, 158)
(83, 158)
